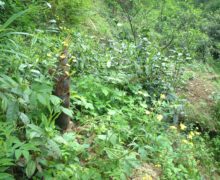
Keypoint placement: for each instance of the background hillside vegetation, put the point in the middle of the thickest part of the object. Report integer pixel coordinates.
(144, 91)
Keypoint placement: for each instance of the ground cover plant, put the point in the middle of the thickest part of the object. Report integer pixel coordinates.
(109, 89)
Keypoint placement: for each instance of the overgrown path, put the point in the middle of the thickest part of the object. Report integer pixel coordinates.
(202, 91)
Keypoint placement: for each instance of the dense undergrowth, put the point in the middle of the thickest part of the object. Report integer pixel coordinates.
(125, 79)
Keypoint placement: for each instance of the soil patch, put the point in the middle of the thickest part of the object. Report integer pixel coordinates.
(199, 91)
(146, 172)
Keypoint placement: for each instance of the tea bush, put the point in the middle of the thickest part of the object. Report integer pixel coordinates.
(124, 106)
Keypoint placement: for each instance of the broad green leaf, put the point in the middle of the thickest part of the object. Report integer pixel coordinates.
(111, 154)
(36, 131)
(112, 112)
(12, 111)
(105, 91)
(30, 169)
(42, 99)
(60, 140)
(54, 149)
(26, 155)
(113, 139)
(6, 162)
(4, 176)
(18, 154)
(55, 100)
(102, 137)
(5, 102)
(67, 112)
(24, 118)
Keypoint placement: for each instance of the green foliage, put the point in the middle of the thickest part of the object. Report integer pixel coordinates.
(50, 15)
(70, 12)
(123, 101)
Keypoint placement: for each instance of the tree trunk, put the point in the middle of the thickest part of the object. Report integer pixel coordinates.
(62, 88)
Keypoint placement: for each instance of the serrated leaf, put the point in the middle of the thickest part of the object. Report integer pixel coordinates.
(54, 149)
(36, 130)
(60, 140)
(111, 154)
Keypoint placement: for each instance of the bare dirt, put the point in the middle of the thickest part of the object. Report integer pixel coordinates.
(147, 172)
(201, 89)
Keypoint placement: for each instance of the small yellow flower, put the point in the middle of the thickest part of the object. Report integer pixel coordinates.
(197, 133)
(182, 126)
(67, 73)
(172, 127)
(159, 117)
(63, 56)
(190, 135)
(147, 177)
(185, 141)
(162, 96)
(147, 112)
(49, 55)
(65, 44)
(158, 165)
